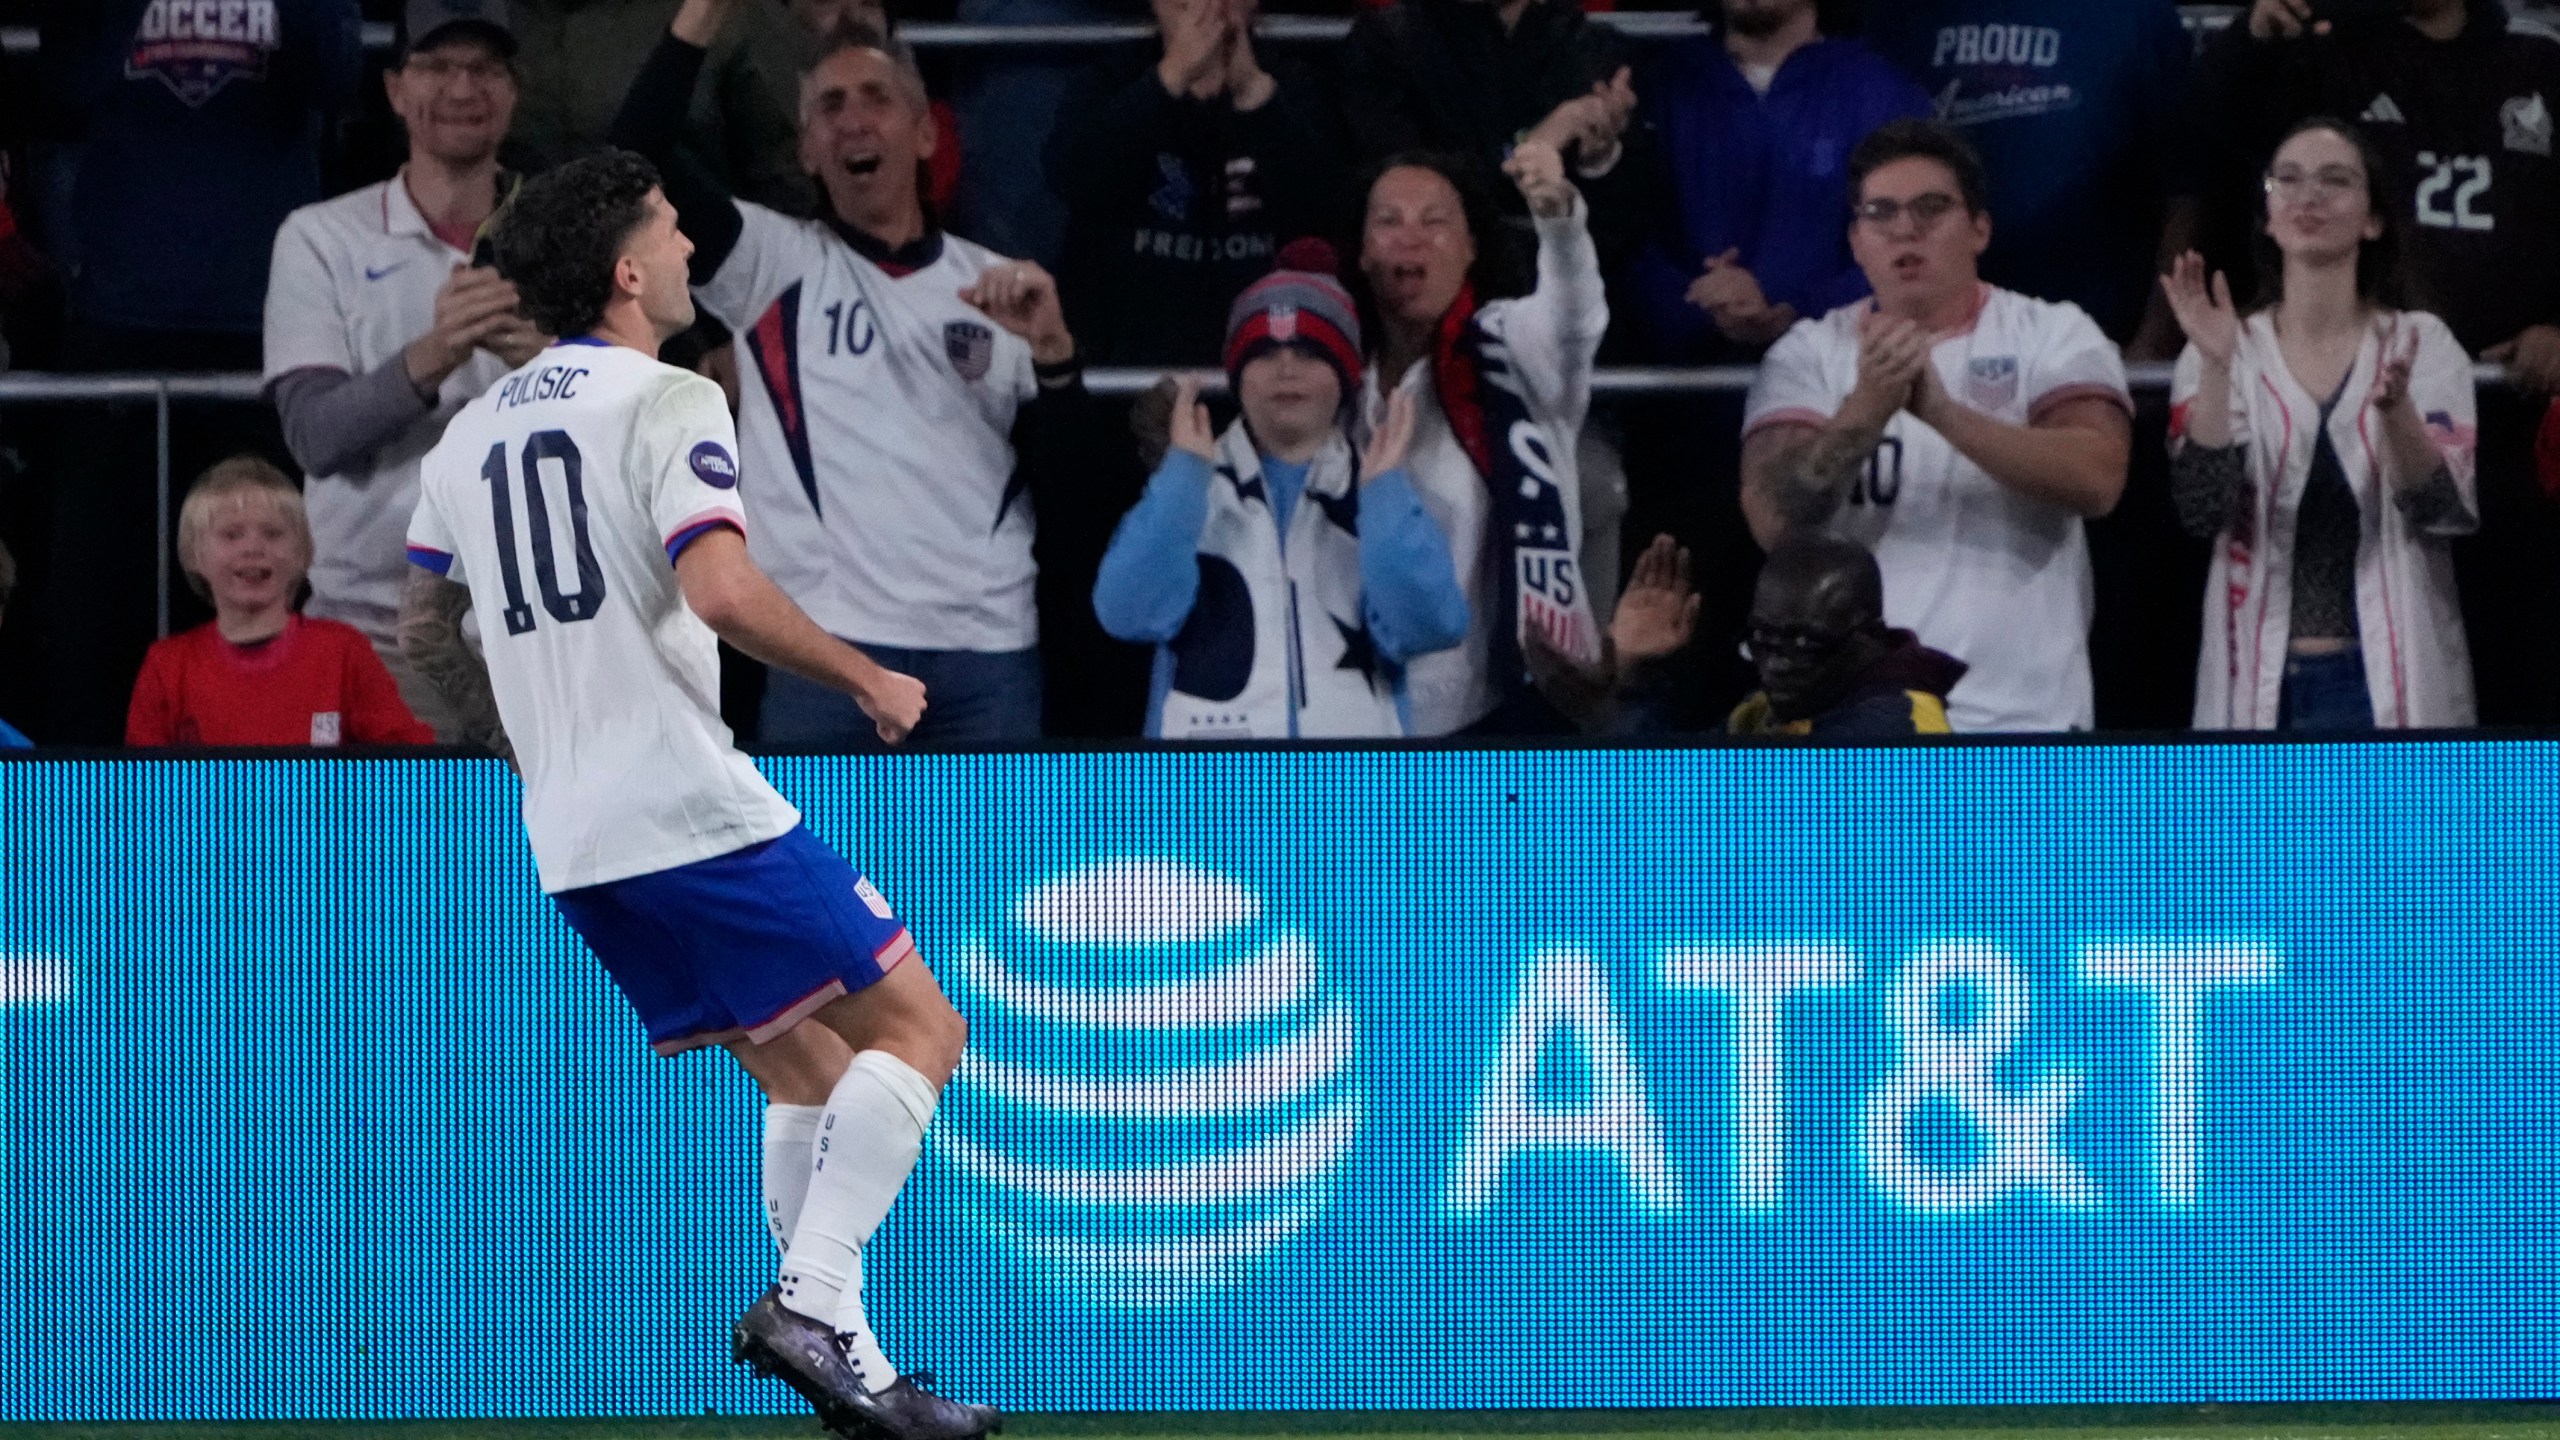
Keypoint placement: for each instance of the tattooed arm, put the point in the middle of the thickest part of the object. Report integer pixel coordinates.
(431, 610)
(1797, 474)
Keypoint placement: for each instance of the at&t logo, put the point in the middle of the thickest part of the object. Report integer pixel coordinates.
(1162, 1088)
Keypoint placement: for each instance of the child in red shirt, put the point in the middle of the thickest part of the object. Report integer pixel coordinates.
(260, 673)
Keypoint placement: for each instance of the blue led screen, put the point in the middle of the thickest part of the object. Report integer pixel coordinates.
(1443, 1079)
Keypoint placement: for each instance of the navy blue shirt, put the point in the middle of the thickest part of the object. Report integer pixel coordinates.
(203, 130)
(1765, 175)
(2080, 110)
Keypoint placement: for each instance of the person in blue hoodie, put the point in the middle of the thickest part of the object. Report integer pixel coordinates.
(1284, 579)
(1755, 126)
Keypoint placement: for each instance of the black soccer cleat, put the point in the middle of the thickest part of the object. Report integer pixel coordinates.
(909, 1410)
(779, 1343)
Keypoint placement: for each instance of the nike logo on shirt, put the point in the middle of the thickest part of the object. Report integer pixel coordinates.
(372, 274)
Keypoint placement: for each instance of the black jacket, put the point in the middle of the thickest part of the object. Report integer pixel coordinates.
(1443, 75)
(1176, 204)
(2468, 125)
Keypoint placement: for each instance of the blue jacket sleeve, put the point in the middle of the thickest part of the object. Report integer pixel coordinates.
(1408, 584)
(1151, 573)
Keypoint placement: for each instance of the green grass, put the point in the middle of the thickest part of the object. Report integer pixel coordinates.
(2164, 1422)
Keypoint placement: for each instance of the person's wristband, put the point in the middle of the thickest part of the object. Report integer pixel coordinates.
(1053, 374)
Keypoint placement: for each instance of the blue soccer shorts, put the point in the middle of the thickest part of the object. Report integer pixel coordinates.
(739, 946)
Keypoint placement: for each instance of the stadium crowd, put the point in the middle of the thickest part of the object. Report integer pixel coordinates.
(1939, 232)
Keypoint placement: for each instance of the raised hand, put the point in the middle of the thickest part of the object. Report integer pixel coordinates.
(1892, 354)
(1021, 297)
(699, 22)
(1190, 429)
(1538, 170)
(1658, 611)
(1195, 47)
(474, 304)
(1591, 123)
(1614, 105)
(2391, 377)
(2283, 20)
(2204, 311)
(895, 703)
(1249, 86)
(1732, 297)
(1391, 440)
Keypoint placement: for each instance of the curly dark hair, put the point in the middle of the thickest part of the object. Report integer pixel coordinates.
(559, 237)
(1909, 139)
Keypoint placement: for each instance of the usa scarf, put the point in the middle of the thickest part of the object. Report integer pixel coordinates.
(1536, 504)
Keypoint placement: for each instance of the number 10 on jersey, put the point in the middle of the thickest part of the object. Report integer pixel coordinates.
(581, 604)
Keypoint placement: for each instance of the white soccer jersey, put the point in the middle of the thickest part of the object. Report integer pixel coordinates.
(353, 281)
(877, 411)
(1996, 578)
(560, 498)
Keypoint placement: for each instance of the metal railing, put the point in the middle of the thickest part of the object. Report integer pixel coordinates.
(1303, 29)
(161, 391)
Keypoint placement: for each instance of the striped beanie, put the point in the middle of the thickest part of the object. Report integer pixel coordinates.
(1302, 302)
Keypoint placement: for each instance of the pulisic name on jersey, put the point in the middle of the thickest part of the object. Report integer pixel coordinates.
(551, 382)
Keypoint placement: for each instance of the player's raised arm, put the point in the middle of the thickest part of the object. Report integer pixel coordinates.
(733, 597)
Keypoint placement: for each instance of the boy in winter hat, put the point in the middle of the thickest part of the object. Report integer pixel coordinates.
(1285, 580)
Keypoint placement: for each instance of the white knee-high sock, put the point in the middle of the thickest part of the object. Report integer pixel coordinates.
(789, 1132)
(866, 1146)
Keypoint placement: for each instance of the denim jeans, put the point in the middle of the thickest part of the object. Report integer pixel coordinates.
(2325, 692)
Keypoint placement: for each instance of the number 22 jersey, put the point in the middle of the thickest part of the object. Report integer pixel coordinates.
(561, 497)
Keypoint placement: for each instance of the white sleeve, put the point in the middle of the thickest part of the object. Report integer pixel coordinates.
(2073, 360)
(770, 254)
(2441, 385)
(431, 539)
(1791, 388)
(686, 447)
(305, 328)
(1554, 331)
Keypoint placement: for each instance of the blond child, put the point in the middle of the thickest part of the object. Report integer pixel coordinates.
(260, 673)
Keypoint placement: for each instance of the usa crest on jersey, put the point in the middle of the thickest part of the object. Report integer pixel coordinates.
(1992, 382)
(971, 346)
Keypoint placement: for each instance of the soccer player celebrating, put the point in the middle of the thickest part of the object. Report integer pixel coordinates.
(1961, 432)
(590, 498)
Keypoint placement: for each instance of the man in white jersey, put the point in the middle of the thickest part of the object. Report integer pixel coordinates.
(891, 378)
(586, 507)
(1961, 432)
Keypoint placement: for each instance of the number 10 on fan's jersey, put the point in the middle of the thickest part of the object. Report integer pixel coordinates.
(556, 447)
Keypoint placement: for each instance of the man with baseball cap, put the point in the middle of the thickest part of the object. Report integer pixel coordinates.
(1284, 595)
(379, 327)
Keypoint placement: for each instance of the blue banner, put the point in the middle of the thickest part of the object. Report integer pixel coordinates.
(1448, 1079)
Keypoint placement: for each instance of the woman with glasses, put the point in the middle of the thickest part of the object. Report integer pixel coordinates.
(2325, 443)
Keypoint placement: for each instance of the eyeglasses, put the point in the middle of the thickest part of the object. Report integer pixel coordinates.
(1924, 210)
(2290, 185)
(439, 69)
(1769, 642)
